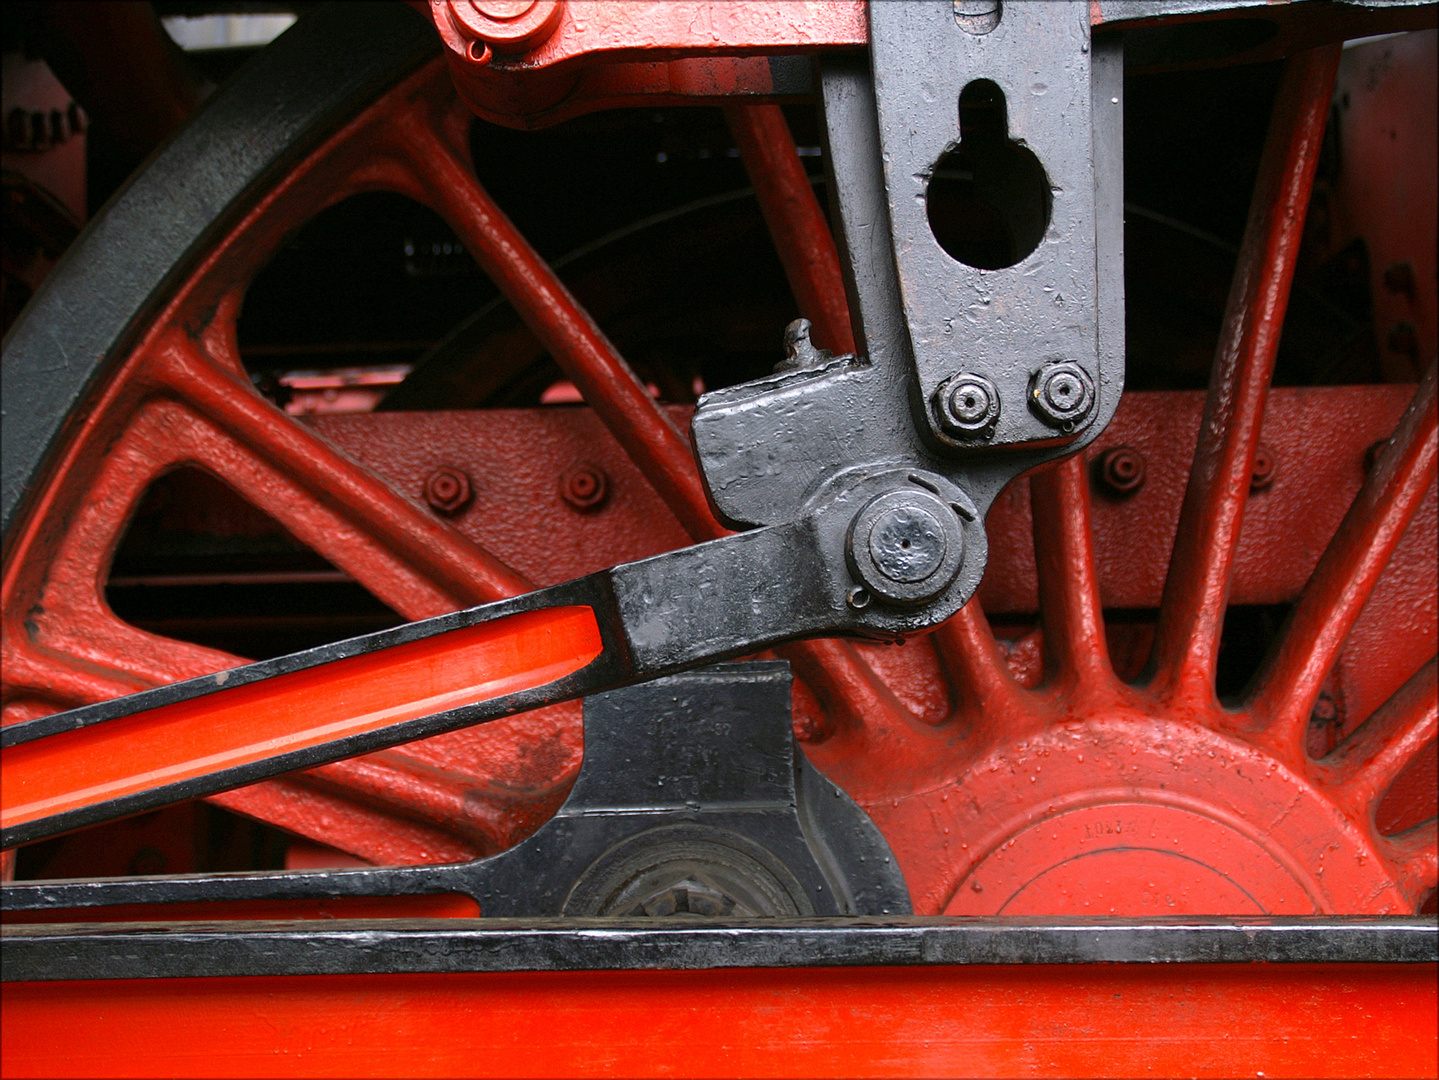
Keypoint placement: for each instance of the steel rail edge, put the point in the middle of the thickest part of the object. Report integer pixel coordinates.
(47, 953)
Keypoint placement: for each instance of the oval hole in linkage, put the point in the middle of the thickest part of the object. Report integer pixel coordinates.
(988, 197)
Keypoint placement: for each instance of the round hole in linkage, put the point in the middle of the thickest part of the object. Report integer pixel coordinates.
(988, 197)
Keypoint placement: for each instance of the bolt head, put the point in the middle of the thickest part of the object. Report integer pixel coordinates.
(447, 490)
(1121, 470)
(584, 486)
(969, 403)
(905, 547)
(967, 406)
(1265, 463)
(1061, 394)
(1063, 391)
(510, 27)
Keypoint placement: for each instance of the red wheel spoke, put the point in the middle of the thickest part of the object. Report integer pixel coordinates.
(566, 330)
(64, 678)
(852, 694)
(1197, 589)
(975, 665)
(163, 433)
(400, 552)
(645, 431)
(796, 222)
(465, 572)
(70, 635)
(1417, 853)
(1069, 603)
(1364, 765)
(331, 814)
(117, 659)
(1348, 571)
(487, 819)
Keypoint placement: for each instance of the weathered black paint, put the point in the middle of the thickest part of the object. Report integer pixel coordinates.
(134, 951)
(711, 751)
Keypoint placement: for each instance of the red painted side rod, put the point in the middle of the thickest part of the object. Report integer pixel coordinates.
(801, 234)
(196, 737)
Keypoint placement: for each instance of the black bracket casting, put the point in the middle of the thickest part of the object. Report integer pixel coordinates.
(691, 799)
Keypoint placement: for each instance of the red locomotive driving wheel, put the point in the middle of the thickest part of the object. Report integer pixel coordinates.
(1206, 682)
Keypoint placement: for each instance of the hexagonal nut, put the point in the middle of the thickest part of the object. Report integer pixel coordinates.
(447, 490)
(1061, 393)
(967, 406)
(584, 486)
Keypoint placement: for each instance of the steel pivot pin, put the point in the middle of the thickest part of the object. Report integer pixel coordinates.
(905, 546)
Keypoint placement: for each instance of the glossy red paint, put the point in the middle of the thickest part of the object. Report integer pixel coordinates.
(565, 329)
(552, 61)
(1049, 773)
(231, 728)
(519, 98)
(609, 386)
(1084, 1020)
(1024, 767)
(181, 399)
(1084, 791)
(534, 62)
(1349, 569)
(594, 29)
(510, 27)
(517, 455)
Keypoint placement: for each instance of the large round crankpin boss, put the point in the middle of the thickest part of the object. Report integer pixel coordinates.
(905, 547)
(688, 869)
(504, 26)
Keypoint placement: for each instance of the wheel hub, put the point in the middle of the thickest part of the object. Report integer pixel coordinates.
(1134, 815)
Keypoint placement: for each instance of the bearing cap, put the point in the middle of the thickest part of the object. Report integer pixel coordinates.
(906, 546)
